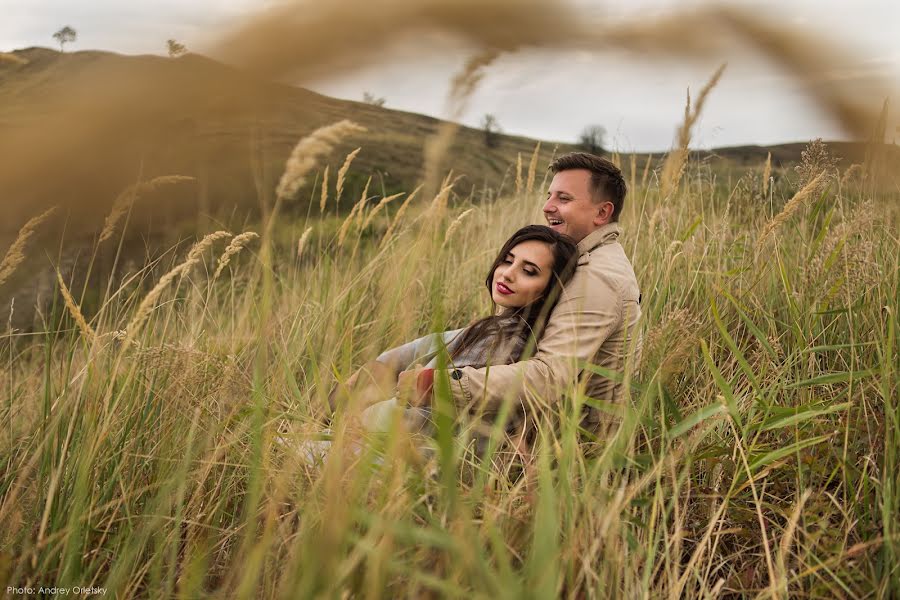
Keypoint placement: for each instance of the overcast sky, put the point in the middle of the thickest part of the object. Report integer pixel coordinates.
(549, 95)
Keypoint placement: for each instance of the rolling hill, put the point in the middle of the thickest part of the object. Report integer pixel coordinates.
(78, 128)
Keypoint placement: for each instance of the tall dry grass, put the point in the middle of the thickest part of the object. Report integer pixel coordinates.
(756, 454)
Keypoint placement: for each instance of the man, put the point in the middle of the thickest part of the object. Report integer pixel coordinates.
(596, 318)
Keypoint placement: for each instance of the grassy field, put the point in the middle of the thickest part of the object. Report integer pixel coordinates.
(756, 455)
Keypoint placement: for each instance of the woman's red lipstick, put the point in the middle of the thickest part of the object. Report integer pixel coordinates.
(503, 289)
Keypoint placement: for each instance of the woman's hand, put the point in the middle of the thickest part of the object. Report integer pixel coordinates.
(372, 383)
(414, 387)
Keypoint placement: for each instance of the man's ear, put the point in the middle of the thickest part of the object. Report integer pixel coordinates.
(604, 213)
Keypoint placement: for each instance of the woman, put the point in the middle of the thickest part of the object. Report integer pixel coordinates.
(524, 281)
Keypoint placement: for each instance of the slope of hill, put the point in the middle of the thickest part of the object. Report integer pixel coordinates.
(81, 126)
(78, 128)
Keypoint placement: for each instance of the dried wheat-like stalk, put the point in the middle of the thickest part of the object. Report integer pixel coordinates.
(384, 201)
(324, 197)
(206, 243)
(851, 172)
(363, 201)
(780, 582)
(519, 184)
(129, 195)
(86, 330)
(646, 172)
(236, 245)
(532, 169)
(439, 205)
(767, 173)
(342, 174)
(307, 151)
(400, 212)
(357, 208)
(16, 253)
(149, 301)
(302, 243)
(673, 168)
(455, 225)
(462, 86)
(792, 206)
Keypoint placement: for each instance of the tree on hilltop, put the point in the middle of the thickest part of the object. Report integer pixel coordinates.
(64, 36)
(175, 49)
(491, 128)
(592, 139)
(373, 100)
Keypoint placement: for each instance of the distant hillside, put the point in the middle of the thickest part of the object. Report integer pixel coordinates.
(79, 127)
(90, 122)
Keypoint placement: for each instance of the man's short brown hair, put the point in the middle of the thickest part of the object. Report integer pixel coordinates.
(607, 182)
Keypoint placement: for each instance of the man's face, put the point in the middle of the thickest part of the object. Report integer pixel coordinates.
(570, 208)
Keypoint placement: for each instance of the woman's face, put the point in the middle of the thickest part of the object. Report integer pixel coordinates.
(522, 275)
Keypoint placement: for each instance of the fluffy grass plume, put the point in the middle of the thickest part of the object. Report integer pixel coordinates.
(357, 209)
(792, 206)
(15, 254)
(129, 195)
(532, 170)
(767, 174)
(86, 330)
(519, 184)
(301, 243)
(237, 244)
(323, 196)
(401, 213)
(462, 86)
(378, 207)
(194, 257)
(308, 150)
(455, 225)
(199, 249)
(342, 174)
(673, 168)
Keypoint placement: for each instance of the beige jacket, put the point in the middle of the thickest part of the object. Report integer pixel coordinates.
(595, 321)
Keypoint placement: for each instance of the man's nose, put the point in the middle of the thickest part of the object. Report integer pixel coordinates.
(549, 206)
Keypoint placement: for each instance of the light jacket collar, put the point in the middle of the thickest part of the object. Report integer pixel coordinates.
(604, 235)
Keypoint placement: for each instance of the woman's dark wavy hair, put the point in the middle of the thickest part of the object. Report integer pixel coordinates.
(534, 316)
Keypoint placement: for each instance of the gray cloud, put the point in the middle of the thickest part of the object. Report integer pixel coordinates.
(550, 96)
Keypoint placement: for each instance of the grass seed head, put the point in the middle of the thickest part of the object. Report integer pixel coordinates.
(16, 252)
(342, 174)
(307, 151)
(301, 244)
(793, 205)
(236, 245)
(129, 195)
(323, 198)
(86, 330)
